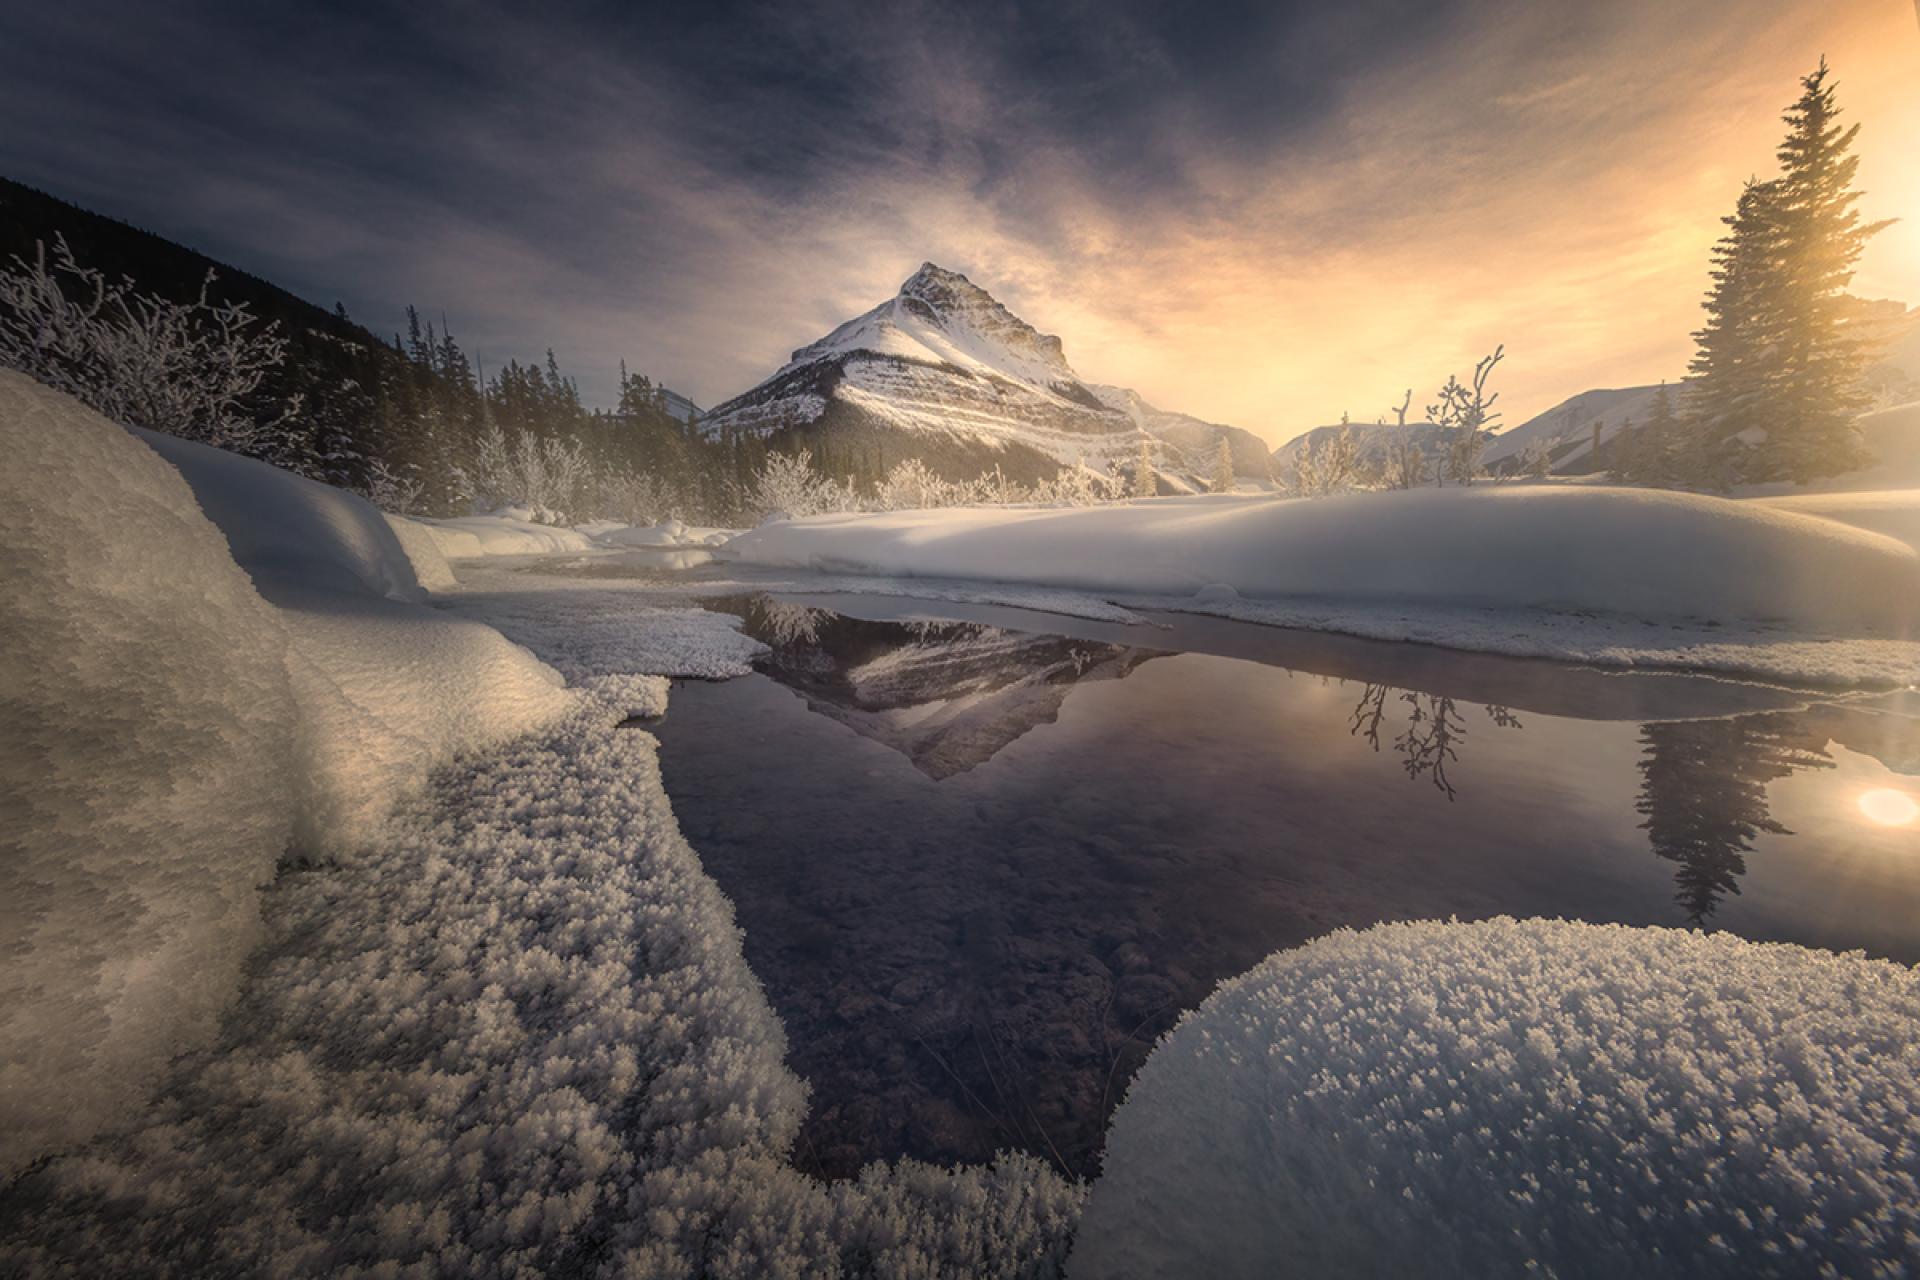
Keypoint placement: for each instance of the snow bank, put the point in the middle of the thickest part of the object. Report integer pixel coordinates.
(1892, 512)
(502, 534)
(150, 765)
(430, 565)
(1524, 1097)
(283, 527)
(387, 689)
(517, 1037)
(1617, 551)
(170, 733)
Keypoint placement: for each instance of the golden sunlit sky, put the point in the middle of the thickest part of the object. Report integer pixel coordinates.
(1264, 213)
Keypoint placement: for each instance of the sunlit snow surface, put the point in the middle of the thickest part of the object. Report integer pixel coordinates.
(1624, 577)
(1524, 1097)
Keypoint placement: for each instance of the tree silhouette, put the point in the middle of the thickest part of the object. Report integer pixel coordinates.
(1435, 728)
(1703, 793)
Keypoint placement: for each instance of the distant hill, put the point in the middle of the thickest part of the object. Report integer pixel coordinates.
(29, 217)
(1567, 429)
(1373, 441)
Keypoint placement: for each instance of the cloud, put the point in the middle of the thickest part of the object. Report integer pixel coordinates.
(1262, 213)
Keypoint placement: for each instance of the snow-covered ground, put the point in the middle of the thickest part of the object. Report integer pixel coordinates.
(1530, 1097)
(1615, 576)
(344, 934)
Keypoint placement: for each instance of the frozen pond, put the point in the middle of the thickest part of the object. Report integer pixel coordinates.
(984, 860)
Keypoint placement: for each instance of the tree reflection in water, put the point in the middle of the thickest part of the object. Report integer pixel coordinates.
(1703, 793)
(1434, 730)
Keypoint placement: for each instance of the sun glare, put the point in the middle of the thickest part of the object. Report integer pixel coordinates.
(1889, 808)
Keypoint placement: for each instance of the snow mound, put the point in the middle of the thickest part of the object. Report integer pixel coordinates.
(1892, 512)
(422, 549)
(1614, 551)
(280, 526)
(150, 767)
(504, 533)
(670, 533)
(387, 689)
(1524, 1097)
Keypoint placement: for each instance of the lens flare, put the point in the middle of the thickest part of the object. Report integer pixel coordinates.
(1889, 808)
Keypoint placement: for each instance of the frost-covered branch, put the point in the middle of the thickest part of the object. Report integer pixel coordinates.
(187, 369)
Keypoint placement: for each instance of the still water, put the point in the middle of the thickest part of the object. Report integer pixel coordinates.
(984, 860)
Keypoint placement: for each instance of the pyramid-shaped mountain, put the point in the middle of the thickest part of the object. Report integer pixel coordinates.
(943, 372)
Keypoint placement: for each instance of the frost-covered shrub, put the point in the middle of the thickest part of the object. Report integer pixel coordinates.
(787, 482)
(911, 485)
(188, 369)
(1078, 486)
(549, 473)
(1524, 1098)
(147, 769)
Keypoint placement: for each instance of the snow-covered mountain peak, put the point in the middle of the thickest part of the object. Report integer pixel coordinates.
(943, 372)
(952, 300)
(941, 317)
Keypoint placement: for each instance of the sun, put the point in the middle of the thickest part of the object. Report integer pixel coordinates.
(1889, 808)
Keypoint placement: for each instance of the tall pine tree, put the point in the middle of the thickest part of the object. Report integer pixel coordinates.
(1820, 239)
(1736, 366)
(1778, 364)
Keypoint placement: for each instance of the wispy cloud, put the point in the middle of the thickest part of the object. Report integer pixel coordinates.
(1263, 213)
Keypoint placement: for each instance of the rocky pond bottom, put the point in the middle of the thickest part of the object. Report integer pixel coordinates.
(984, 860)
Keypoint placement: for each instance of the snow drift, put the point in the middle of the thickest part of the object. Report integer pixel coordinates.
(508, 532)
(1521, 1098)
(282, 527)
(150, 765)
(171, 734)
(1614, 551)
(387, 688)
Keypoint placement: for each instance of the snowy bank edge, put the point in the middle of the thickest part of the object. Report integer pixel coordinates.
(1616, 552)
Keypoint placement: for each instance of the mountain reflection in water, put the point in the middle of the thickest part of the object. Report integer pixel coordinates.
(981, 868)
(946, 695)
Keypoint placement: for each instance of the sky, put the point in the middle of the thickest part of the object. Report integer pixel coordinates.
(1260, 212)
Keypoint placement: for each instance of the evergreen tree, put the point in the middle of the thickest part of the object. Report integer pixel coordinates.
(1821, 238)
(1777, 364)
(1624, 456)
(1654, 444)
(1735, 366)
(1222, 481)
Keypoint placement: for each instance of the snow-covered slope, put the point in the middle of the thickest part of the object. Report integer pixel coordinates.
(1196, 438)
(1532, 551)
(1567, 428)
(943, 372)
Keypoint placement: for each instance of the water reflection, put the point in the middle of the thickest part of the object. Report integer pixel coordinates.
(1703, 793)
(976, 952)
(1435, 729)
(947, 695)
